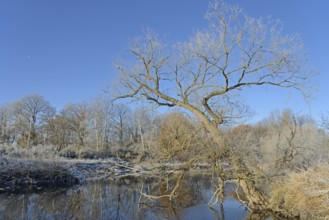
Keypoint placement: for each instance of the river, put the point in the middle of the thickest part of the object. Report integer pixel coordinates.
(120, 199)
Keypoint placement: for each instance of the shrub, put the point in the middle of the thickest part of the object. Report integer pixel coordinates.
(304, 194)
(177, 138)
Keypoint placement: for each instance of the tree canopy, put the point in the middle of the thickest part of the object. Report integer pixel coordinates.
(202, 73)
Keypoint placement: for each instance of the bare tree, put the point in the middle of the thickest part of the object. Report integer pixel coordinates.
(121, 118)
(142, 121)
(291, 141)
(7, 131)
(100, 111)
(76, 117)
(31, 112)
(325, 121)
(202, 74)
(58, 132)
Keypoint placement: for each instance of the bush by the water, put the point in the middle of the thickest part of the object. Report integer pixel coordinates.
(304, 193)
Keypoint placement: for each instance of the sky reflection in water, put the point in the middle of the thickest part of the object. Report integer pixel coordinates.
(118, 200)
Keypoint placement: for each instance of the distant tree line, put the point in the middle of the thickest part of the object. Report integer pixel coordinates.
(100, 126)
(96, 124)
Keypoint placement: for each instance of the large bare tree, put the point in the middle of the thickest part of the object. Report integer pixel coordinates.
(31, 112)
(203, 73)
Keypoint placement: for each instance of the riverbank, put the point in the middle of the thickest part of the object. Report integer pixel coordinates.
(17, 175)
(22, 175)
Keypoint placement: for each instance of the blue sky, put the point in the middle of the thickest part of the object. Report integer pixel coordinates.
(65, 49)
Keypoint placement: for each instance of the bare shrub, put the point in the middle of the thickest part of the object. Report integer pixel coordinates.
(177, 138)
(304, 194)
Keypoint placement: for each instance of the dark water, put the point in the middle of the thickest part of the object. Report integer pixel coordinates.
(119, 200)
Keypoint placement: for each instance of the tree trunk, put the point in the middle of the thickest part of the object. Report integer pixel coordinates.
(255, 199)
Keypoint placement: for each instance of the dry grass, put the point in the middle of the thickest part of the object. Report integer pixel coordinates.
(304, 194)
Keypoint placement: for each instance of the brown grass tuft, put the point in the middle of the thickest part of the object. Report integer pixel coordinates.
(304, 194)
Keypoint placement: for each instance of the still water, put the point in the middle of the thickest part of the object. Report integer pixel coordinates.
(119, 200)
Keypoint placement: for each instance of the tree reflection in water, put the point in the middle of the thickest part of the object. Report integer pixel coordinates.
(119, 200)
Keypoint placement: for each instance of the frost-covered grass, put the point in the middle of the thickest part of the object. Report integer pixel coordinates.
(35, 152)
(18, 174)
(24, 168)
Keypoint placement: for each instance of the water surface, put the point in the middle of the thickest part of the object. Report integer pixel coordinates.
(120, 200)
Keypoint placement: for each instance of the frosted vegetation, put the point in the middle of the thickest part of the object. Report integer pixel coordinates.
(279, 164)
(287, 153)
